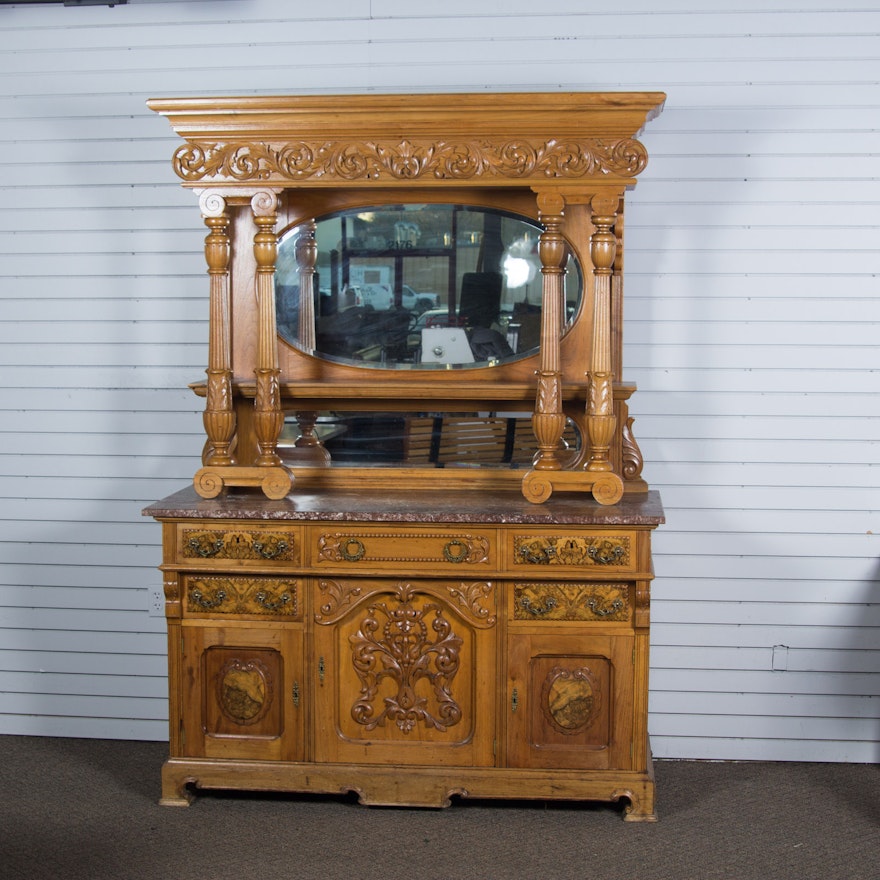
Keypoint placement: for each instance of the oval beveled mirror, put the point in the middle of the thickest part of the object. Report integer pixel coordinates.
(418, 286)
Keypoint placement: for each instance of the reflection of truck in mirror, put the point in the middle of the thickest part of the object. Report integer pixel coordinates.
(373, 286)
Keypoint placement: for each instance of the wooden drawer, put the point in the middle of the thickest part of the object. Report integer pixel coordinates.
(237, 545)
(210, 595)
(561, 550)
(409, 550)
(554, 602)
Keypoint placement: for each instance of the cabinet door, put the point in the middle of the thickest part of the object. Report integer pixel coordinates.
(405, 671)
(241, 692)
(570, 700)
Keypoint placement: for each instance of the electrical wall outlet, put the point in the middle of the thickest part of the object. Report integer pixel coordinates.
(156, 601)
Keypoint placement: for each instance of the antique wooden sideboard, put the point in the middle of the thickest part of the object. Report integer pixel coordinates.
(416, 560)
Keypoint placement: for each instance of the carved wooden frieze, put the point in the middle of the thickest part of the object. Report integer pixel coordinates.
(607, 550)
(409, 160)
(226, 544)
(555, 601)
(242, 595)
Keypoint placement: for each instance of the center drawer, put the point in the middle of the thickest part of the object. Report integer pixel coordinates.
(353, 547)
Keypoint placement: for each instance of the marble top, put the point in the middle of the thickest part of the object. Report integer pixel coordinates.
(643, 509)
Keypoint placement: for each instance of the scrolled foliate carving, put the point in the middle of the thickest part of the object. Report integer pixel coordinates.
(406, 655)
(335, 599)
(409, 160)
(471, 597)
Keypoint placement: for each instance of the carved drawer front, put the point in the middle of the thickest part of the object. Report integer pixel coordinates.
(550, 601)
(396, 548)
(209, 595)
(244, 545)
(560, 549)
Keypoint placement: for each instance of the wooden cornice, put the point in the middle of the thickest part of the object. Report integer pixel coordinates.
(489, 139)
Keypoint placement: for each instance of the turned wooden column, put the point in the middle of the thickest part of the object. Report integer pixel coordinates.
(219, 415)
(548, 420)
(600, 399)
(268, 416)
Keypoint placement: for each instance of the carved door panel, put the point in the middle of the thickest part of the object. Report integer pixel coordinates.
(241, 695)
(570, 701)
(405, 671)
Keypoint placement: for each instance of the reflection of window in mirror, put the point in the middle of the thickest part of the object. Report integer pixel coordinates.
(420, 287)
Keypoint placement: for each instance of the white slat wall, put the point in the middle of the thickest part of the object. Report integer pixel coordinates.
(752, 310)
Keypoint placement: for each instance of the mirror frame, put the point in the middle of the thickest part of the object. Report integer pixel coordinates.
(337, 266)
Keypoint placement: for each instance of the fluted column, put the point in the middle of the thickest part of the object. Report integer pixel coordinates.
(548, 420)
(219, 415)
(600, 398)
(268, 416)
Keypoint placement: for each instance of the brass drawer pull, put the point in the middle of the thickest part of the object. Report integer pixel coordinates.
(606, 553)
(359, 550)
(279, 549)
(268, 604)
(549, 604)
(537, 557)
(613, 608)
(199, 598)
(455, 551)
(204, 549)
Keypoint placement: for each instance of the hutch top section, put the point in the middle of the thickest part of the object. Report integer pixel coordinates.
(434, 256)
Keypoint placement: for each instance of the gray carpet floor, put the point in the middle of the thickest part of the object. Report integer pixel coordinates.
(87, 810)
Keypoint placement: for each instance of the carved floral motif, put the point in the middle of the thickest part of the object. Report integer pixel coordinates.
(407, 160)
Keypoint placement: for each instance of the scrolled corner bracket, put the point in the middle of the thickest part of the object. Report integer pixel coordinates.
(606, 488)
(275, 482)
(537, 487)
(208, 482)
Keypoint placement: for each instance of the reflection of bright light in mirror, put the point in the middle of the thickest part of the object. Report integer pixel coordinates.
(518, 271)
(518, 263)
